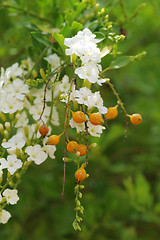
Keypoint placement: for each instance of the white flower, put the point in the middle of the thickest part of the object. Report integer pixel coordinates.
(53, 60)
(14, 71)
(95, 100)
(92, 54)
(17, 141)
(3, 163)
(10, 104)
(39, 94)
(80, 127)
(22, 121)
(80, 43)
(17, 89)
(81, 96)
(55, 116)
(65, 85)
(36, 154)
(11, 196)
(28, 63)
(12, 163)
(3, 78)
(4, 216)
(89, 71)
(50, 150)
(95, 130)
(0, 197)
(36, 111)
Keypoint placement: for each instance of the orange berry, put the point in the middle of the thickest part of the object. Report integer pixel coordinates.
(136, 118)
(96, 119)
(72, 147)
(112, 112)
(53, 140)
(43, 130)
(78, 117)
(80, 174)
(82, 149)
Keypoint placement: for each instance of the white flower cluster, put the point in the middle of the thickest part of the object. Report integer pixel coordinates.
(11, 196)
(84, 45)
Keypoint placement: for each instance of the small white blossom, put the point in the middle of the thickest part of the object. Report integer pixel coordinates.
(89, 71)
(36, 154)
(39, 95)
(17, 89)
(4, 216)
(55, 116)
(11, 196)
(14, 71)
(3, 78)
(65, 85)
(80, 127)
(80, 43)
(17, 141)
(12, 163)
(81, 95)
(9, 104)
(36, 111)
(0, 197)
(95, 130)
(22, 121)
(95, 100)
(50, 150)
(53, 60)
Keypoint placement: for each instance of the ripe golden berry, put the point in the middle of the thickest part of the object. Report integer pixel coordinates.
(53, 140)
(112, 112)
(43, 130)
(78, 117)
(96, 119)
(80, 174)
(72, 147)
(136, 118)
(82, 149)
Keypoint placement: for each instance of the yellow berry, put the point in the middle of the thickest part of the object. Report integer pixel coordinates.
(82, 149)
(136, 118)
(78, 117)
(72, 147)
(43, 130)
(96, 119)
(53, 140)
(112, 112)
(80, 174)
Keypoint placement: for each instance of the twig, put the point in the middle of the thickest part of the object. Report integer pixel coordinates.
(119, 101)
(123, 9)
(66, 137)
(25, 11)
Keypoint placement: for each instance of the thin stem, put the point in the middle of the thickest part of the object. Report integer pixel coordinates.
(25, 11)
(66, 133)
(119, 101)
(38, 61)
(123, 9)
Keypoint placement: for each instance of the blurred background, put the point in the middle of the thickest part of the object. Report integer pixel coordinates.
(122, 195)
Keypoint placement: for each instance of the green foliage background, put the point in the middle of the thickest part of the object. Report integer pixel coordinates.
(122, 195)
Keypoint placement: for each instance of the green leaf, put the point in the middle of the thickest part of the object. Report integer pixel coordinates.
(143, 194)
(66, 31)
(120, 62)
(69, 16)
(76, 27)
(60, 39)
(100, 36)
(40, 38)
